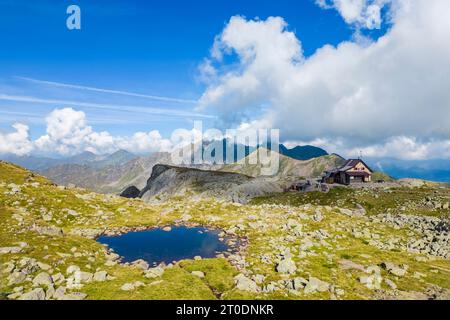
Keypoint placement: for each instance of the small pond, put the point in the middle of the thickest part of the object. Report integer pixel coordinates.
(157, 246)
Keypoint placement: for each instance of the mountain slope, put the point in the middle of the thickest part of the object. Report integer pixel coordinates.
(168, 181)
(116, 178)
(290, 169)
(46, 231)
(109, 179)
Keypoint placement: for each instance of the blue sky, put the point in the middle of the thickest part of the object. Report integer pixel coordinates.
(317, 71)
(147, 47)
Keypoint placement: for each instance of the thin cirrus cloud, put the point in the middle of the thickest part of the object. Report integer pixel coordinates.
(100, 90)
(125, 108)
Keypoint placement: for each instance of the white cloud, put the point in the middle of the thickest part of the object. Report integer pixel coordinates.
(266, 51)
(144, 142)
(408, 148)
(68, 133)
(362, 95)
(360, 13)
(16, 142)
(399, 147)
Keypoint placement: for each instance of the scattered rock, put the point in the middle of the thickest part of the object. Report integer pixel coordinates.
(100, 276)
(318, 285)
(286, 266)
(245, 284)
(83, 277)
(346, 212)
(72, 269)
(48, 230)
(110, 263)
(58, 278)
(186, 217)
(349, 265)
(318, 217)
(258, 278)
(154, 272)
(49, 292)
(36, 294)
(74, 296)
(127, 287)
(132, 286)
(6, 250)
(392, 268)
(16, 278)
(199, 274)
(8, 267)
(390, 284)
(44, 266)
(372, 282)
(299, 283)
(131, 193)
(59, 293)
(141, 264)
(43, 279)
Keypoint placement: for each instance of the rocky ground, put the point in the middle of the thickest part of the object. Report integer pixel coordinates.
(363, 244)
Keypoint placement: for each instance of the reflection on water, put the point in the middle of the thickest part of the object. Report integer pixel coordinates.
(156, 246)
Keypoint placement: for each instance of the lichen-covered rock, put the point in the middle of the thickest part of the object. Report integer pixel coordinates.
(16, 277)
(246, 284)
(72, 269)
(43, 279)
(154, 272)
(199, 274)
(141, 264)
(286, 266)
(36, 294)
(6, 250)
(100, 276)
(394, 269)
(316, 285)
(372, 282)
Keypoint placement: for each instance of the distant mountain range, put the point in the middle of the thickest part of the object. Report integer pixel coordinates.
(94, 161)
(298, 153)
(36, 163)
(302, 152)
(110, 173)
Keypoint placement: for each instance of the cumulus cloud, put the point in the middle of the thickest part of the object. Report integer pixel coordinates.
(16, 142)
(144, 142)
(407, 148)
(68, 133)
(266, 50)
(400, 147)
(361, 95)
(360, 13)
